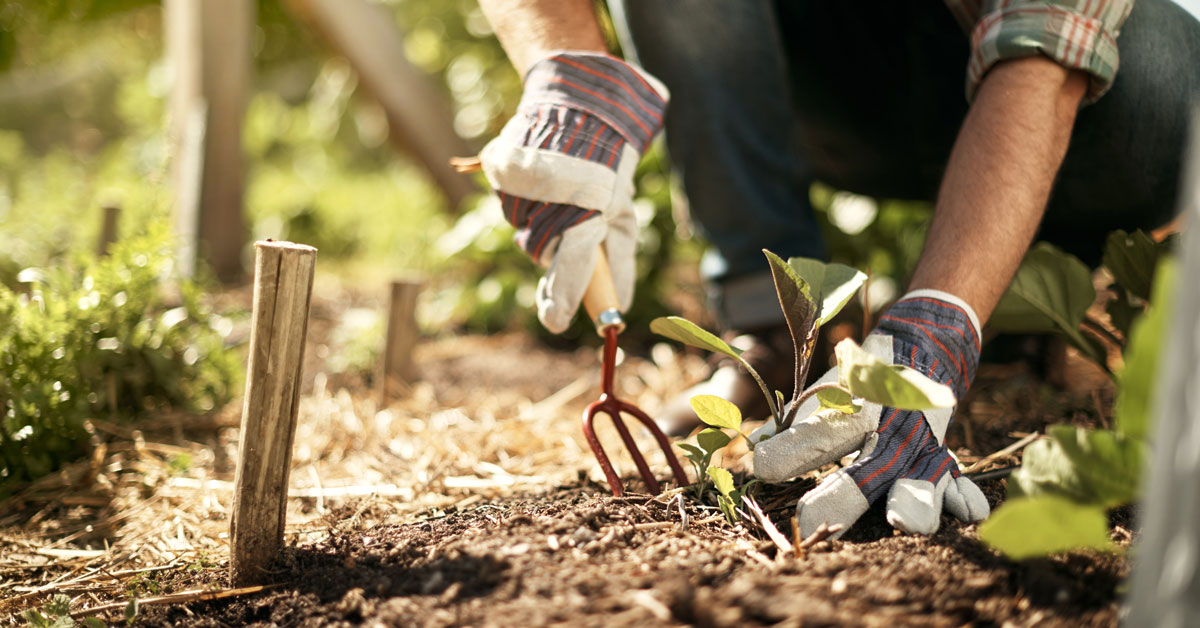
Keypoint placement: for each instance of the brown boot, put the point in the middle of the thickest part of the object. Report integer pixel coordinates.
(768, 350)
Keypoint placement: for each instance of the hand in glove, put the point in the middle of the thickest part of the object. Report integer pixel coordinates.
(563, 169)
(903, 453)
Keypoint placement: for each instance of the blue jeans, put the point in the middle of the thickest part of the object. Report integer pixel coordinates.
(767, 97)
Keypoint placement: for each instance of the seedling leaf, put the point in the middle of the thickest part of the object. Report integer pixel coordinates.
(1132, 258)
(1137, 381)
(800, 311)
(694, 453)
(92, 622)
(1051, 292)
(691, 334)
(716, 411)
(1025, 527)
(832, 284)
(837, 399)
(722, 479)
(866, 376)
(1089, 466)
(712, 439)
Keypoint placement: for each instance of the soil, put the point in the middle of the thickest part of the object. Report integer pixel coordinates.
(535, 538)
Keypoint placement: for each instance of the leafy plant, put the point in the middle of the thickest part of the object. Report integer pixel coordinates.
(1068, 481)
(730, 497)
(57, 614)
(811, 293)
(118, 337)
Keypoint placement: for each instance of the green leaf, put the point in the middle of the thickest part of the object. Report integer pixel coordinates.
(1098, 467)
(722, 479)
(1028, 527)
(800, 311)
(837, 399)
(694, 454)
(866, 376)
(92, 622)
(717, 412)
(1132, 258)
(131, 610)
(832, 284)
(1137, 382)
(1122, 313)
(712, 439)
(1051, 293)
(36, 619)
(691, 334)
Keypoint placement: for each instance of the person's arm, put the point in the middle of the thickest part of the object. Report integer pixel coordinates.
(998, 179)
(530, 29)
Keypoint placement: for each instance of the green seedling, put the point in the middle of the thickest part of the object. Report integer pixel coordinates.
(57, 614)
(730, 497)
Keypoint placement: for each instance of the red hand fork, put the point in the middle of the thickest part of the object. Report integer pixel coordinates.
(600, 301)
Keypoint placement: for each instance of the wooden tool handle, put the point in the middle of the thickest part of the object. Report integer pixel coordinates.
(600, 300)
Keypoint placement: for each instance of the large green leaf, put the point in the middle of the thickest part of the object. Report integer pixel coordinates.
(1137, 383)
(689, 333)
(722, 479)
(1131, 258)
(866, 376)
(800, 311)
(1088, 465)
(832, 284)
(711, 439)
(716, 411)
(1051, 292)
(1036, 526)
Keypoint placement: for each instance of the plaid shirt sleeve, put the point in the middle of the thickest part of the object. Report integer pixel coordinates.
(1078, 34)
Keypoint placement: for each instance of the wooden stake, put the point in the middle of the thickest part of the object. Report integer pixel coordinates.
(402, 335)
(283, 276)
(108, 229)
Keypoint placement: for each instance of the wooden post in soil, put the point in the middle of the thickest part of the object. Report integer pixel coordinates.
(397, 363)
(1166, 568)
(108, 229)
(283, 276)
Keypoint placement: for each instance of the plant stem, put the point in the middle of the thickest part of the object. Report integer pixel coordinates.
(806, 395)
(763, 386)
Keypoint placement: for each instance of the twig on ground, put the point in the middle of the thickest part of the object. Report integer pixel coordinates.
(1011, 449)
(773, 533)
(183, 597)
(823, 532)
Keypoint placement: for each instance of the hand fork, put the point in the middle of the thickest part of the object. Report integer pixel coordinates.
(600, 301)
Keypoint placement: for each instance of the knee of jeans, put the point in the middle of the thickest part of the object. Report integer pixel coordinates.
(1159, 60)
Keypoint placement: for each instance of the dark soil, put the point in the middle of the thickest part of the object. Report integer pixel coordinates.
(575, 556)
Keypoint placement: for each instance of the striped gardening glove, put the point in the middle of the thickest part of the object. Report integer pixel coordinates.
(903, 453)
(563, 169)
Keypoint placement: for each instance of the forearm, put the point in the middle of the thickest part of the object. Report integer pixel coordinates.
(998, 180)
(530, 29)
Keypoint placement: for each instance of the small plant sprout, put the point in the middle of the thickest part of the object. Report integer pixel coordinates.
(730, 497)
(811, 293)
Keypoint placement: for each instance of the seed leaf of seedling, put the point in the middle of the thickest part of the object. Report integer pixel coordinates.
(722, 479)
(712, 439)
(837, 399)
(717, 412)
(694, 452)
(866, 376)
(832, 284)
(1061, 524)
(1051, 293)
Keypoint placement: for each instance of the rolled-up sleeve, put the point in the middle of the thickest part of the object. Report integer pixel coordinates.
(1077, 34)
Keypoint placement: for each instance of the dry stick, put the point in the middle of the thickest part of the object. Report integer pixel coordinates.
(402, 334)
(183, 597)
(773, 533)
(1011, 449)
(283, 277)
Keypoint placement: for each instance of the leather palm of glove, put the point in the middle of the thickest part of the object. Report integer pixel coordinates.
(902, 453)
(563, 169)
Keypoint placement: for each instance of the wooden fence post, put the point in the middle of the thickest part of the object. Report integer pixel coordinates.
(1166, 567)
(402, 334)
(108, 229)
(283, 277)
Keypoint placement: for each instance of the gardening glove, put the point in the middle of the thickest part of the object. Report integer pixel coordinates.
(563, 169)
(902, 453)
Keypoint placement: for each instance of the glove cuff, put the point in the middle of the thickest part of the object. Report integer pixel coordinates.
(627, 99)
(936, 334)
